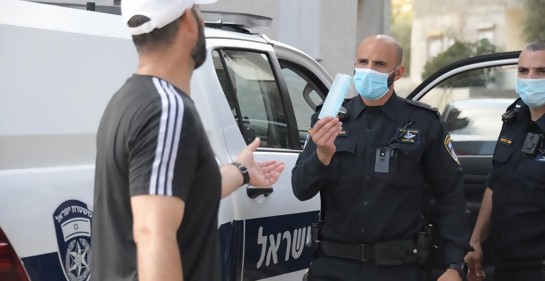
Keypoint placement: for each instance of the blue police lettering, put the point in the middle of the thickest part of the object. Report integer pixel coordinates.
(295, 243)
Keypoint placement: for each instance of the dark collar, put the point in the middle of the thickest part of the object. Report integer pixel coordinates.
(540, 122)
(526, 115)
(356, 106)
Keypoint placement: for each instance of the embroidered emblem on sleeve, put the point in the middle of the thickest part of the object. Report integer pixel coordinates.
(450, 149)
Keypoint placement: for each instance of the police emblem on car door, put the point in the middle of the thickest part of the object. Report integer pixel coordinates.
(72, 221)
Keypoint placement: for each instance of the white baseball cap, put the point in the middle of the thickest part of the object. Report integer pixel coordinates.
(160, 12)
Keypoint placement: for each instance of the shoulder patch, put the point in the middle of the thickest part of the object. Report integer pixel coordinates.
(450, 149)
(422, 105)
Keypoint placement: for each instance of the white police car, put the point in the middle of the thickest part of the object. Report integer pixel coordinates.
(59, 67)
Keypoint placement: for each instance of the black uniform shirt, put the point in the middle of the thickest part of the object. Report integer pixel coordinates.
(365, 206)
(518, 181)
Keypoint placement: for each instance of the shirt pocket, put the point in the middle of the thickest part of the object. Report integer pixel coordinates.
(502, 153)
(345, 146)
(344, 161)
(532, 179)
(405, 164)
(501, 172)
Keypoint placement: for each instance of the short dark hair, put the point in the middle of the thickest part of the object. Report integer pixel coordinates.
(538, 45)
(159, 37)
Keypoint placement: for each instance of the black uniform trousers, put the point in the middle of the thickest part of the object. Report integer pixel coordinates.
(336, 269)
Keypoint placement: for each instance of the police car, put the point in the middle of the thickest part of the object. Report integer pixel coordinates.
(60, 67)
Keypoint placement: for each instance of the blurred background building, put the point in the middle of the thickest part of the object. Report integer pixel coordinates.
(436, 25)
(327, 30)
(432, 33)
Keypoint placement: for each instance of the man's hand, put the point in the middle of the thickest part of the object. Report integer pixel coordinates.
(323, 134)
(450, 275)
(262, 174)
(474, 263)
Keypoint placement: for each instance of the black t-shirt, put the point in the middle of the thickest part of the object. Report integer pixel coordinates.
(371, 198)
(151, 141)
(517, 225)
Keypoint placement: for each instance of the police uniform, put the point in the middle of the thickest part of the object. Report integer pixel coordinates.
(373, 190)
(517, 225)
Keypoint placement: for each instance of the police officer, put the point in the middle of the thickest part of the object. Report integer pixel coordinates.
(370, 170)
(513, 207)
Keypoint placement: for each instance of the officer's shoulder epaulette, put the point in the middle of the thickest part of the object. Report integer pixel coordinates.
(422, 105)
(512, 111)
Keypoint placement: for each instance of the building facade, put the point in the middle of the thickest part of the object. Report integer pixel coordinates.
(329, 31)
(436, 24)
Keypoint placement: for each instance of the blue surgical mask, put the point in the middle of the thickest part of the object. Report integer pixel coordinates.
(371, 84)
(531, 91)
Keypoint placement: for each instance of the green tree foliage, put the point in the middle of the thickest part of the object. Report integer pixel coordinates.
(534, 20)
(461, 50)
(402, 21)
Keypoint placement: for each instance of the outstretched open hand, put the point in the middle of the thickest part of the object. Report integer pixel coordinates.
(262, 174)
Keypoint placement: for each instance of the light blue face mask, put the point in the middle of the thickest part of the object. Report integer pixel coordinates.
(371, 84)
(531, 91)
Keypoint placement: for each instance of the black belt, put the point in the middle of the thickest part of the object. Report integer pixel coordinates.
(518, 264)
(395, 252)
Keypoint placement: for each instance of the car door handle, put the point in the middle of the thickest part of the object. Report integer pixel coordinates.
(254, 192)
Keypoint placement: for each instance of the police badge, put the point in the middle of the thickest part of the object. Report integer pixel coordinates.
(72, 221)
(450, 149)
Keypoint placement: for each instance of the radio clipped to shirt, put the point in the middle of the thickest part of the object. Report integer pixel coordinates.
(384, 153)
(382, 160)
(533, 144)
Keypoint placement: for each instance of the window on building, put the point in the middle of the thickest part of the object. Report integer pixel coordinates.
(485, 34)
(435, 46)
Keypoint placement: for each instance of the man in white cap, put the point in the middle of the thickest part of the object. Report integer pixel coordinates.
(157, 183)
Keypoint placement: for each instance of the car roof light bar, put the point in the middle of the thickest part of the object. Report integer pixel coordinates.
(242, 20)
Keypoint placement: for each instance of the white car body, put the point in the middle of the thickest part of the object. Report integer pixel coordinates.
(60, 66)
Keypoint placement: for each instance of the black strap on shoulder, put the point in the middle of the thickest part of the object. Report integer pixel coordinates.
(512, 111)
(422, 105)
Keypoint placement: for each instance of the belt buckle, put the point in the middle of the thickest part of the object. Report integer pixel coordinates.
(364, 251)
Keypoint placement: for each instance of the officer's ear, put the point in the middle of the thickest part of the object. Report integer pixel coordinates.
(395, 75)
(399, 72)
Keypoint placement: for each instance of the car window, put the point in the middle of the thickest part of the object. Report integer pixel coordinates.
(304, 95)
(471, 104)
(253, 94)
